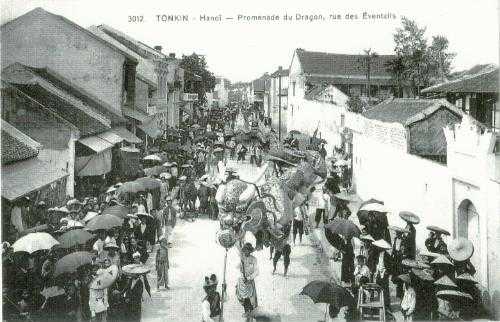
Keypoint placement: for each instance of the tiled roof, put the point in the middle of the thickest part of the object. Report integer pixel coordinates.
(320, 63)
(485, 82)
(317, 89)
(131, 43)
(57, 96)
(16, 146)
(407, 110)
(384, 81)
(145, 69)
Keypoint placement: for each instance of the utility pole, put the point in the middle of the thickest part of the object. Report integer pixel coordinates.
(279, 103)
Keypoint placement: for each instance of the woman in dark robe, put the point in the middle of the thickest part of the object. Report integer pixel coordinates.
(133, 298)
(408, 242)
(347, 269)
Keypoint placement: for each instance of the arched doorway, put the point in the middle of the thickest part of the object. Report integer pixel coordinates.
(468, 227)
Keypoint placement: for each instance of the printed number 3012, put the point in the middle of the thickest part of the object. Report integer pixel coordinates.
(135, 18)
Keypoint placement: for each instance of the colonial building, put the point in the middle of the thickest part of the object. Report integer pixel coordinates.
(44, 40)
(430, 158)
(476, 94)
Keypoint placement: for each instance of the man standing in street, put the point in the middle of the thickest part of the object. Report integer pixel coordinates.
(323, 205)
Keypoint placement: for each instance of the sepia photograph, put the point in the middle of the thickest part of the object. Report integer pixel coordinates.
(224, 161)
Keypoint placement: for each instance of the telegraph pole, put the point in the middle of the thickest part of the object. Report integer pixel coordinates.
(279, 103)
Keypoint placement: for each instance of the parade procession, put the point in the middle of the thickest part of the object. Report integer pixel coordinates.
(349, 181)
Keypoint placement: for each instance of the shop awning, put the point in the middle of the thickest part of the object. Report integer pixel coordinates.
(93, 165)
(110, 136)
(135, 114)
(96, 143)
(151, 129)
(126, 135)
(21, 178)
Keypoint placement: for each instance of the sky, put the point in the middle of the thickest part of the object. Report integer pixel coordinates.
(243, 50)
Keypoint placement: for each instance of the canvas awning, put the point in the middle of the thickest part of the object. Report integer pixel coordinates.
(93, 165)
(126, 135)
(111, 137)
(151, 129)
(21, 178)
(135, 114)
(96, 143)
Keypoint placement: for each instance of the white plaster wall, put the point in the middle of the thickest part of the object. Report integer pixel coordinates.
(42, 40)
(404, 182)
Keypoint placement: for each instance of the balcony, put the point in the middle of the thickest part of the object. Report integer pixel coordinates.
(190, 97)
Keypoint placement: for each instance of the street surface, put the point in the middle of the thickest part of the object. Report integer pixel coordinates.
(196, 254)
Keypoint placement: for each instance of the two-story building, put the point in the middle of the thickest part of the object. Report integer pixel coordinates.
(475, 94)
(352, 75)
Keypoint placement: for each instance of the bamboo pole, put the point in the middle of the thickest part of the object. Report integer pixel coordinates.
(223, 288)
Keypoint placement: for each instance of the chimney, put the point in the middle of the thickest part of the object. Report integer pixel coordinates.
(171, 55)
(158, 48)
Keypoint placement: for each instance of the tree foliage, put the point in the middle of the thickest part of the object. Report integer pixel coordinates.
(196, 65)
(417, 64)
(355, 104)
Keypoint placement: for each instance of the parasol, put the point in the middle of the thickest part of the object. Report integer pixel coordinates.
(408, 262)
(117, 211)
(154, 171)
(409, 217)
(326, 292)
(130, 187)
(438, 230)
(74, 237)
(135, 269)
(342, 163)
(70, 263)
(344, 227)
(453, 295)
(104, 278)
(105, 222)
(152, 157)
(460, 249)
(149, 183)
(34, 242)
(344, 195)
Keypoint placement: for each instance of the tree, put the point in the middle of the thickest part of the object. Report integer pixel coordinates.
(418, 65)
(355, 104)
(195, 65)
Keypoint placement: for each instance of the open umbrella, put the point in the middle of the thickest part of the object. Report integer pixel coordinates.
(118, 211)
(104, 222)
(154, 171)
(74, 237)
(70, 263)
(343, 227)
(34, 242)
(326, 292)
(152, 157)
(105, 278)
(372, 206)
(409, 217)
(460, 249)
(130, 187)
(149, 183)
(346, 196)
